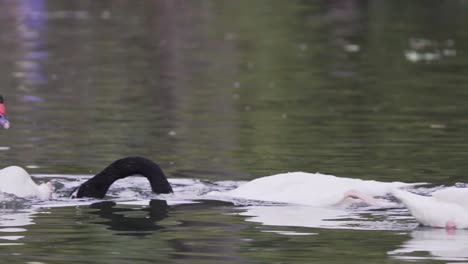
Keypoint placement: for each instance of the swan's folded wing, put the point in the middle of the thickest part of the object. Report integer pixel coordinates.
(452, 195)
(410, 199)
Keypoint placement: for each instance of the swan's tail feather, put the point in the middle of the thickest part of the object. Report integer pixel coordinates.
(427, 210)
(408, 198)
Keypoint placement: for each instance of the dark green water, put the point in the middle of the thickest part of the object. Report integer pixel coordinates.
(230, 90)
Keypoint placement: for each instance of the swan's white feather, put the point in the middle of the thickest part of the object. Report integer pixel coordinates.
(436, 210)
(452, 195)
(309, 188)
(15, 180)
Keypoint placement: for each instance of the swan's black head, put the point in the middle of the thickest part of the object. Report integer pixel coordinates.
(3, 119)
(97, 186)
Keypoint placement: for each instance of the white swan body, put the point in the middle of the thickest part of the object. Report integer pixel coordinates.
(445, 208)
(314, 189)
(15, 180)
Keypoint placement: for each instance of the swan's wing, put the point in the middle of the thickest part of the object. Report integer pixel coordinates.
(410, 199)
(452, 195)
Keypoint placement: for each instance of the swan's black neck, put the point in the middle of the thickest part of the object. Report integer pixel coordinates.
(97, 186)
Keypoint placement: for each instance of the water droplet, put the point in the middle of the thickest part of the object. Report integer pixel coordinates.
(230, 36)
(303, 47)
(105, 14)
(430, 56)
(450, 42)
(352, 48)
(437, 126)
(412, 56)
(449, 52)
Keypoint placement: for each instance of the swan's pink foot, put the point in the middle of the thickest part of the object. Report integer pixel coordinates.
(358, 195)
(450, 225)
(351, 194)
(50, 186)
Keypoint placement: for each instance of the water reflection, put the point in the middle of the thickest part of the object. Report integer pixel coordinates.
(344, 23)
(438, 243)
(328, 217)
(13, 224)
(210, 234)
(31, 26)
(300, 216)
(428, 50)
(132, 222)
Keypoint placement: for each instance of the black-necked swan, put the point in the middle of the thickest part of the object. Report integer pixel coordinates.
(315, 189)
(447, 207)
(15, 180)
(3, 120)
(97, 186)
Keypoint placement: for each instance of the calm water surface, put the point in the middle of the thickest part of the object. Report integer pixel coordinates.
(228, 91)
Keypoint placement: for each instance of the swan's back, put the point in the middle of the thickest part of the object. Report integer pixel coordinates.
(15, 180)
(309, 188)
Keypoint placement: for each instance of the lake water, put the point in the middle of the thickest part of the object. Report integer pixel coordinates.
(218, 92)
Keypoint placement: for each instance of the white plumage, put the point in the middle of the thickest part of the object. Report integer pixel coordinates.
(15, 180)
(314, 189)
(444, 208)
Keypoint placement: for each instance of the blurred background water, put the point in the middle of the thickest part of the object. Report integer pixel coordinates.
(233, 90)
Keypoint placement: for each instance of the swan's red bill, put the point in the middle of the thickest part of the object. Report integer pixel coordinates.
(3, 119)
